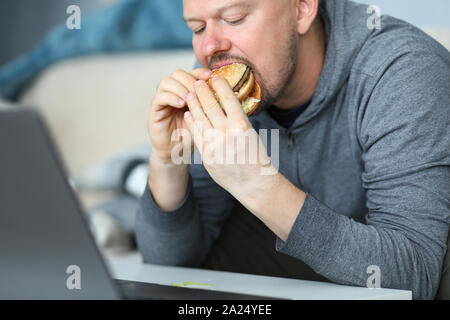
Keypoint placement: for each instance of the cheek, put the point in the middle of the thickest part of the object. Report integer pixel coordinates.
(261, 46)
(251, 42)
(197, 52)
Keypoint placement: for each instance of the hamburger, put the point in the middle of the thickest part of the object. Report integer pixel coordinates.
(242, 81)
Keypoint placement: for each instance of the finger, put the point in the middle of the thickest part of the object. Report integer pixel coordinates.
(210, 105)
(164, 99)
(230, 103)
(194, 129)
(185, 78)
(173, 86)
(201, 73)
(197, 112)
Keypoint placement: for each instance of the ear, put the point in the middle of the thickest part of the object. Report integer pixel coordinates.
(307, 11)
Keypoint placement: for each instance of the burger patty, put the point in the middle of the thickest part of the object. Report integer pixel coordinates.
(243, 80)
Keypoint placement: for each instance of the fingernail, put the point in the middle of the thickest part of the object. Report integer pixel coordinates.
(181, 102)
(190, 96)
(198, 83)
(187, 114)
(207, 74)
(215, 78)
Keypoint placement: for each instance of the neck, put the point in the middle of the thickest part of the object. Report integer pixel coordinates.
(310, 60)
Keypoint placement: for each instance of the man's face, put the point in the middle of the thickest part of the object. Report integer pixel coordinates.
(259, 33)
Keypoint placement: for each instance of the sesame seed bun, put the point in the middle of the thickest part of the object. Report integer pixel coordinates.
(242, 81)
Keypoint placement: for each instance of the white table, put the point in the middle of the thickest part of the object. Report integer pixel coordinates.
(132, 270)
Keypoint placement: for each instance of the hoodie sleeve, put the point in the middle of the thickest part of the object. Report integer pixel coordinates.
(404, 134)
(183, 236)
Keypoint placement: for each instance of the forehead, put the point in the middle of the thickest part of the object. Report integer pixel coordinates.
(214, 7)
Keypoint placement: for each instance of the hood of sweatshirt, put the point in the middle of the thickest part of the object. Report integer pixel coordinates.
(346, 29)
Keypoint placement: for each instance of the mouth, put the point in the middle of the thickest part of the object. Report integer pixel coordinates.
(222, 64)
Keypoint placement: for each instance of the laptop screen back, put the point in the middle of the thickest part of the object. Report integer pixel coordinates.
(46, 249)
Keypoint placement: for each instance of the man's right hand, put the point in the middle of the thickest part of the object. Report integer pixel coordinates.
(168, 108)
(168, 182)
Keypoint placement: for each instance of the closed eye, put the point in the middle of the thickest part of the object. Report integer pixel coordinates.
(199, 31)
(232, 23)
(235, 22)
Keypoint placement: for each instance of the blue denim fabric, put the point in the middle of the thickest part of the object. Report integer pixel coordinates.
(129, 25)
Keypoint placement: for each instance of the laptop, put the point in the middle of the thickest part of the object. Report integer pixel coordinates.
(47, 250)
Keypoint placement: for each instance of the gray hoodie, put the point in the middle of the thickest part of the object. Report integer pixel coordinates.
(372, 152)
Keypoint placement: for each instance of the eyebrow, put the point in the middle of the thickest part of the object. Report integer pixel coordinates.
(220, 10)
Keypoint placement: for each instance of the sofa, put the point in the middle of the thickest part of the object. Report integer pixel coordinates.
(97, 106)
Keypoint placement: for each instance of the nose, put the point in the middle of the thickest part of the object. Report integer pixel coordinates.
(214, 41)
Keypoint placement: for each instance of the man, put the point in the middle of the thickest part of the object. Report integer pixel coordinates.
(363, 180)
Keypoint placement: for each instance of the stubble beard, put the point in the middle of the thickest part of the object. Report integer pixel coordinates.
(270, 94)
